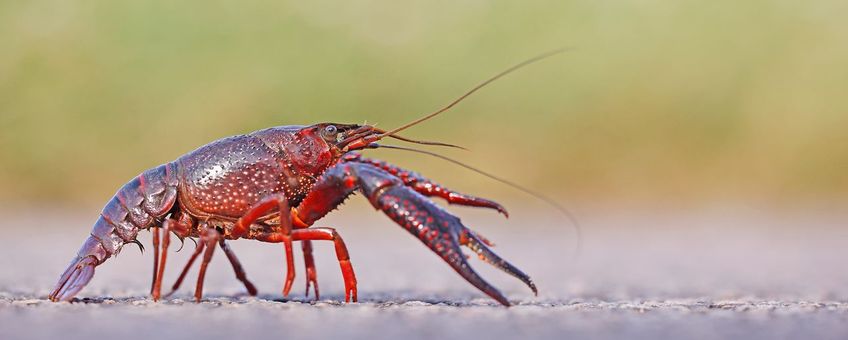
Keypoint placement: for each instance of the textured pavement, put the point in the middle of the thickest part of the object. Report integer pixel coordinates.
(718, 272)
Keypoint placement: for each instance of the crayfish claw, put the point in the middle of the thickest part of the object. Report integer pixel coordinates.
(442, 232)
(478, 245)
(395, 193)
(481, 238)
(458, 262)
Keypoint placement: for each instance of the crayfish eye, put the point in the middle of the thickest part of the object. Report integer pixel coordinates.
(330, 132)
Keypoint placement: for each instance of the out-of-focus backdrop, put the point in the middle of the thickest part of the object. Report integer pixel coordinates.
(684, 100)
(702, 145)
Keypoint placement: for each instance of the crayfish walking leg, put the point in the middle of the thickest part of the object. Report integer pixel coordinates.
(182, 228)
(308, 259)
(155, 239)
(325, 234)
(311, 272)
(209, 237)
(197, 250)
(262, 208)
(237, 268)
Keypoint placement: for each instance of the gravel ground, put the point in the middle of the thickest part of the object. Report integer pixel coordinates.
(704, 273)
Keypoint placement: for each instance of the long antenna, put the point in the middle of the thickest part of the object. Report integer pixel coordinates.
(427, 142)
(577, 228)
(479, 86)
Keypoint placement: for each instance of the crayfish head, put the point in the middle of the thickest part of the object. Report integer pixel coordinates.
(343, 138)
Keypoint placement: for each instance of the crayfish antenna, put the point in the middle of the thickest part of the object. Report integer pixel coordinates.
(475, 89)
(578, 229)
(426, 142)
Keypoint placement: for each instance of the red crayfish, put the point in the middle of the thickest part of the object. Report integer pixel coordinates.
(272, 185)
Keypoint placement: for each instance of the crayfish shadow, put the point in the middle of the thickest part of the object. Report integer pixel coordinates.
(390, 299)
(378, 300)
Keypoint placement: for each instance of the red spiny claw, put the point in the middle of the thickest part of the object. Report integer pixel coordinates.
(481, 238)
(432, 189)
(427, 187)
(479, 245)
(443, 233)
(74, 279)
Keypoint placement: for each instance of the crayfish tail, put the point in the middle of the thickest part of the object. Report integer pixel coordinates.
(136, 206)
(80, 271)
(74, 279)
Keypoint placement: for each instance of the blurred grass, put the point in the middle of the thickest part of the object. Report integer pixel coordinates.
(685, 99)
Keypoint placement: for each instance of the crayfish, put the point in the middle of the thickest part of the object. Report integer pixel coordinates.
(272, 185)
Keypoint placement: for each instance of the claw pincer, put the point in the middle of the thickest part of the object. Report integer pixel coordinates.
(439, 230)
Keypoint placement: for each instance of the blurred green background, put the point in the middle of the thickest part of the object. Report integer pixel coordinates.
(667, 100)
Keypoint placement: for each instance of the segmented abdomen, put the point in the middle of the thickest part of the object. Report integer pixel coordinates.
(137, 205)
